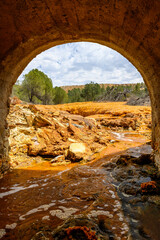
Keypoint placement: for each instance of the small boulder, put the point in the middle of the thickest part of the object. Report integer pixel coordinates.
(78, 151)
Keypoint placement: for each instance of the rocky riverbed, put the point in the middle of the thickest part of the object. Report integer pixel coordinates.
(68, 133)
(80, 177)
(115, 197)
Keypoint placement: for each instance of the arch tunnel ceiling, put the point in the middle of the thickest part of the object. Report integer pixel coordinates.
(24, 20)
(28, 27)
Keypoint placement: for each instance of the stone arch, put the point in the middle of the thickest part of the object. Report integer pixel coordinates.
(29, 27)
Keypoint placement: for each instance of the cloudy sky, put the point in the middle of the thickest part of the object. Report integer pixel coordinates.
(81, 63)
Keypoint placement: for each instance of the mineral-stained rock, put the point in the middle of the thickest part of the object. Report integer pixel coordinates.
(72, 140)
(81, 231)
(57, 123)
(149, 187)
(15, 100)
(48, 131)
(40, 121)
(78, 151)
(125, 123)
(59, 158)
(20, 138)
(40, 236)
(74, 130)
(79, 228)
(48, 143)
(56, 114)
(90, 122)
(154, 199)
(29, 118)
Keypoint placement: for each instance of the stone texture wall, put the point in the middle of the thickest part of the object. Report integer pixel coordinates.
(4, 130)
(29, 27)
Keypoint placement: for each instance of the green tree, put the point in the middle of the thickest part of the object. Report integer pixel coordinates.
(16, 90)
(91, 91)
(74, 95)
(102, 89)
(48, 90)
(108, 89)
(137, 89)
(37, 87)
(59, 95)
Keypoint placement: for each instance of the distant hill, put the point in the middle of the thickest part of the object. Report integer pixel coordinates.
(67, 88)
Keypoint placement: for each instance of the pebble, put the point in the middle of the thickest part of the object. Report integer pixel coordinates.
(11, 226)
(46, 218)
(67, 212)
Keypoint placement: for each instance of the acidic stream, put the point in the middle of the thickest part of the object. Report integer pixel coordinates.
(33, 201)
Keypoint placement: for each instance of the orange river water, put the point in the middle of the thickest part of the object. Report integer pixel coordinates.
(37, 197)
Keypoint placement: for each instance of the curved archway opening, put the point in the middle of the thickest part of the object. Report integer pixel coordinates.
(81, 63)
(49, 126)
(100, 74)
(75, 62)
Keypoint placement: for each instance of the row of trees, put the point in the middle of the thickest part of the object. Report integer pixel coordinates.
(37, 88)
(94, 92)
(90, 92)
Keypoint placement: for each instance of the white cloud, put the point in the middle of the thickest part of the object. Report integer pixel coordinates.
(80, 63)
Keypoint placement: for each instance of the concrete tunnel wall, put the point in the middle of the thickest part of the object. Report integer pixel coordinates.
(29, 27)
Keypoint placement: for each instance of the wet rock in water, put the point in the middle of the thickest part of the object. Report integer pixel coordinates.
(96, 147)
(78, 151)
(81, 233)
(123, 160)
(150, 216)
(2, 233)
(138, 151)
(131, 187)
(79, 229)
(59, 160)
(40, 236)
(151, 170)
(149, 187)
(141, 160)
(154, 199)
